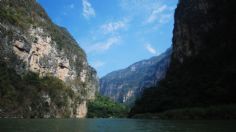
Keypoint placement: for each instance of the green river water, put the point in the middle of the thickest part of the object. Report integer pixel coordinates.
(114, 125)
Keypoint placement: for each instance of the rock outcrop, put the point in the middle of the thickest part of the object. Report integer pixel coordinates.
(203, 67)
(31, 43)
(126, 85)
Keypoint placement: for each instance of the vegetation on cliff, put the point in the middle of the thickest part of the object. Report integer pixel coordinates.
(126, 85)
(203, 67)
(103, 107)
(26, 13)
(216, 112)
(31, 44)
(31, 96)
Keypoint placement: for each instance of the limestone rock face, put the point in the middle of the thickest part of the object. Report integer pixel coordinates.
(125, 85)
(41, 47)
(81, 110)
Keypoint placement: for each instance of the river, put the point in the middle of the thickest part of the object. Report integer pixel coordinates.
(114, 125)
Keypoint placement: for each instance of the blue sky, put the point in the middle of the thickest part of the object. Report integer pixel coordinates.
(116, 33)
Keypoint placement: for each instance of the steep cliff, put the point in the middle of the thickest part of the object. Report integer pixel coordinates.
(125, 85)
(203, 67)
(30, 46)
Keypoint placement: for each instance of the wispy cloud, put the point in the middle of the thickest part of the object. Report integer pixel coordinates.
(150, 49)
(103, 46)
(88, 10)
(67, 9)
(98, 64)
(156, 13)
(113, 26)
(151, 11)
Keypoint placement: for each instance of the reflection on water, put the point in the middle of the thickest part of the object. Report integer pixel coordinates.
(113, 125)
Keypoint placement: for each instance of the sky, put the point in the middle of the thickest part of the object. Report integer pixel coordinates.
(116, 33)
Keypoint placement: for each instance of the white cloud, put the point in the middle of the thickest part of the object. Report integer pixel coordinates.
(150, 49)
(150, 11)
(98, 64)
(113, 26)
(140, 7)
(156, 13)
(103, 46)
(88, 10)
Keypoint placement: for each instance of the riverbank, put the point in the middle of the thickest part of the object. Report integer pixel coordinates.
(225, 112)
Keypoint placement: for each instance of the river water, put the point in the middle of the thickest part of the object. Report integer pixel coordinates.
(114, 125)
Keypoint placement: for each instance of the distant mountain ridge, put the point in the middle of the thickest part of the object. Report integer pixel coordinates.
(125, 85)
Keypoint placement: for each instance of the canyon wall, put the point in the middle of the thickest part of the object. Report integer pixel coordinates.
(30, 43)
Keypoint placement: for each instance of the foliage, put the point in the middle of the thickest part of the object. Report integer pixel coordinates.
(23, 14)
(212, 112)
(134, 79)
(196, 113)
(18, 93)
(205, 78)
(103, 107)
(26, 94)
(196, 83)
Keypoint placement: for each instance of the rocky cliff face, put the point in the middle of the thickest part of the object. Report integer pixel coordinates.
(203, 62)
(197, 24)
(31, 43)
(126, 85)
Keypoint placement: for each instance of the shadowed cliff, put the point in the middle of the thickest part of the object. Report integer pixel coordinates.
(203, 67)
